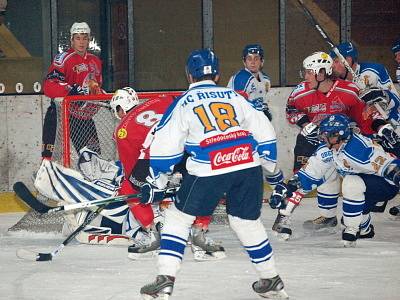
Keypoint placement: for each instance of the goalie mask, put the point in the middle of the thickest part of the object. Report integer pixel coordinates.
(318, 61)
(124, 99)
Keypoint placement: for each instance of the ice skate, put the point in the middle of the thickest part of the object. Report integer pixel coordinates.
(271, 288)
(349, 237)
(204, 248)
(321, 224)
(395, 212)
(368, 233)
(146, 246)
(282, 227)
(161, 288)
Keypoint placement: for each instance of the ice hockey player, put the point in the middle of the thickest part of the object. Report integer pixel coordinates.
(255, 84)
(227, 140)
(370, 75)
(73, 72)
(318, 96)
(133, 136)
(370, 175)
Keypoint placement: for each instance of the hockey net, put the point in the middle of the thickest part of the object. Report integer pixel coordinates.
(81, 121)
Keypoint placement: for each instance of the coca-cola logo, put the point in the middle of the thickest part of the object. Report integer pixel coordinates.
(231, 156)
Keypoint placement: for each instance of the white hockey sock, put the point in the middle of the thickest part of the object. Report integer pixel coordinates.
(255, 240)
(174, 236)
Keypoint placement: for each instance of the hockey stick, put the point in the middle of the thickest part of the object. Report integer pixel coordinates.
(326, 38)
(42, 256)
(25, 194)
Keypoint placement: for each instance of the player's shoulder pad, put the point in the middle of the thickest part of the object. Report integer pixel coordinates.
(300, 88)
(359, 148)
(348, 85)
(376, 68)
(62, 57)
(241, 79)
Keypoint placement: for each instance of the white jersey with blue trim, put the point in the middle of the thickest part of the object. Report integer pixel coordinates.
(256, 86)
(374, 75)
(359, 155)
(218, 128)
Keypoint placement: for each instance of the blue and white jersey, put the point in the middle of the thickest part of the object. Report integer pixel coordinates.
(219, 129)
(393, 108)
(256, 87)
(398, 73)
(359, 155)
(374, 75)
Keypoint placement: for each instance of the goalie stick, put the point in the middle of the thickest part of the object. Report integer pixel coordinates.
(43, 256)
(336, 50)
(25, 194)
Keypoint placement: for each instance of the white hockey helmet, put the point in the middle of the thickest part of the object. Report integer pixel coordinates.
(126, 98)
(318, 61)
(82, 28)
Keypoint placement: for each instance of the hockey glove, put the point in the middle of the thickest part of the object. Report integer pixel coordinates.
(310, 132)
(375, 95)
(389, 138)
(76, 90)
(151, 194)
(266, 111)
(277, 199)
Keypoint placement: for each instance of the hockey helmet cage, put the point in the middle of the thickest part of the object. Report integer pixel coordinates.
(335, 125)
(253, 49)
(318, 61)
(125, 98)
(347, 49)
(201, 63)
(82, 28)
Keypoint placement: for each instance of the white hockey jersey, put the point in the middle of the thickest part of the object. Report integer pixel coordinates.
(374, 75)
(256, 89)
(218, 128)
(360, 155)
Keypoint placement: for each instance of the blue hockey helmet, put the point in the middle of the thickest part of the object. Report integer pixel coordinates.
(253, 49)
(201, 63)
(396, 46)
(346, 49)
(336, 125)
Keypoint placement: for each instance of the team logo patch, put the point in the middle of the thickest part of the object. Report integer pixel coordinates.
(122, 133)
(232, 156)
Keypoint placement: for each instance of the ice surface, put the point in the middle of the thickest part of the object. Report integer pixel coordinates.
(312, 267)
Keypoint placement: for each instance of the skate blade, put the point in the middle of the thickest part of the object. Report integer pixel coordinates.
(349, 244)
(282, 236)
(143, 256)
(159, 297)
(275, 295)
(201, 255)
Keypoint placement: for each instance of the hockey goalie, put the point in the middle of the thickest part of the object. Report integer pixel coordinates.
(96, 179)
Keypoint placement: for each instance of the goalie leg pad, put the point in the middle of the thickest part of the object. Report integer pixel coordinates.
(255, 240)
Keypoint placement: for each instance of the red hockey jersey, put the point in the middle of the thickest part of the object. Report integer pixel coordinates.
(341, 98)
(134, 135)
(70, 68)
